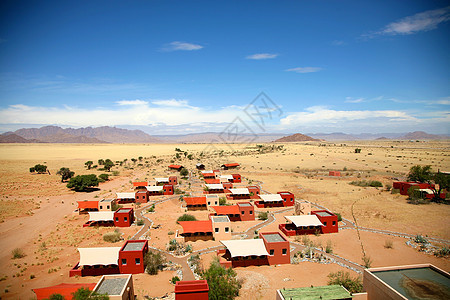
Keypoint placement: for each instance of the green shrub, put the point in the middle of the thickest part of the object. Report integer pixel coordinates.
(174, 279)
(339, 217)
(222, 201)
(140, 222)
(395, 191)
(264, 215)
(364, 183)
(420, 239)
(152, 208)
(103, 177)
(17, 253)
(154, 261)
(112, 237)
(222, 282)
(353, 285)
(329, 247)
(444, 251)
(186, 217)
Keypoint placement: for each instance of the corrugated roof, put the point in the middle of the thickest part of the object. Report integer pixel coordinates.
(217, 186)
(212, 181)
(196, 226)
(141, 183)
(97, 216)
(245, 247)
(304, 220)
(226, 209)
(125, 195)
(175, 166)
(154, 188)
(271, 197)
(240, 191)
(87, 204)
(195, 200)
(99, 256)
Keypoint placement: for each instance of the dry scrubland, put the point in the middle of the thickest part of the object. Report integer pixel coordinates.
(37, 216)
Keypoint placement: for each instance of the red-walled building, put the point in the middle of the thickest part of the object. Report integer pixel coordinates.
(404, 186)
(288, 198)
(122, 198)
(176, 167)
(236, 178)
(158, 190)
(197, 230)
(140, 184)
(281, 199)
(233, 178)
(320, 221)
(195, 203)
(131, 257)
(334, 173)
(243, 211)
(172, 180)
(141, 196)
(271, 248)
(217, 188)
(230, 166)
(254, 191)
(86, 206)
(239, 194)
(212, 181)
(64, 289)
(328, 219)
(191, 290)
(123, 217)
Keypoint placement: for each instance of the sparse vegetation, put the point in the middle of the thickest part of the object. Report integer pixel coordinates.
(83, 182)
(17, 253)
(364, 183)
(222, 282)
(140, 222)
(329, 247)
(103, 177)
(154, 261)
(420, 239)
(40, 169)
(174, 279)
(65, 174)
(353, 285)
(112, 237)
(186, 217)
(442, 252)
(367, 261)
(264, 215)
(388, 244)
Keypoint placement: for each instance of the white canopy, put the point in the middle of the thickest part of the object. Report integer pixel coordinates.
(207, 172)
(162, 179)
(125, 195)
(101, 216)
(240, 191)
(99, 256)
(227, 177)
(215, 186)
(154, 188)
(245, 247)
(304, 220)
(428, 191)
(271, 197)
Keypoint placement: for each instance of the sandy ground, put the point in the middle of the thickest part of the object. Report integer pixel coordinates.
(37, 210)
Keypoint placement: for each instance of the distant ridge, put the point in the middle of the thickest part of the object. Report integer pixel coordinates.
(421, 135)
(297, 137)
(14, 138)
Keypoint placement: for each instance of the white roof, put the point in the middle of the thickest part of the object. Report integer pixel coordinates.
(154, 188)
(240, 191)
(228, 177)
(162, 179)
(99, 256)
(245, 247)
(101, 216)
(207, 171)
(428, 191)
(304, 220)
(271, 197)
(125, 195)
(215, 186)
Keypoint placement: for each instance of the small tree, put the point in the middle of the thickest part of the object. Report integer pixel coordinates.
(108, 164)
(39, 169)
(82, 182)
(154, 262)
(101, 162)
(420, 173)
(184, 172)
(56, 297)
(89, 164)
(103, 177)
(443, 181)
(264, 215)
(65, 174)
(222, 282)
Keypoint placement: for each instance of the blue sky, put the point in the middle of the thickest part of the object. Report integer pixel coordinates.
(193, 66)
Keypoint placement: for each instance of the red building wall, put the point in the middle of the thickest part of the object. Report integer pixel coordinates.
(330, 223)
(236, 178)
(123, 217)
(173, 180)
(255, 190)
(281, 250)
(288, 198)
(132, 262)
(191, 290)
(247, 213)
(141, 196)
(168, 189)
(290, 230)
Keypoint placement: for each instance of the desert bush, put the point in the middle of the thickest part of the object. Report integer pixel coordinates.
(329, 247)
(17, 253)
(178, 191)
(364, 183)
(170, 233)
(112, 237)
(222, 201)
(103, 177)
(39, 169)
(388, 244)
(339, 217)
(367, 261)
(56, 297)
(82, 182)
(264, 215)
(395, 191)
(140, 222)
(420, 239)
(442, 252)
(222, 282)
(353, 285)
(174, 279)
(154, 261)
(152, 208)
(186, 217)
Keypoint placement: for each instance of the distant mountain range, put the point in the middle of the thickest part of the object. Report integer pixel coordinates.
(106, 134)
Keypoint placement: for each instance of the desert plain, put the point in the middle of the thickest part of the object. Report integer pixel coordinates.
(37, 211)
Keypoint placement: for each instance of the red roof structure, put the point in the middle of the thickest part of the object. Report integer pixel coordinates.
(64, 289)
(196, 226)
(195, 200)
(88, 204)
(232, 165)
(176, 167)
(226, 209)
(195, 290)
(138, 184)
(212, 180)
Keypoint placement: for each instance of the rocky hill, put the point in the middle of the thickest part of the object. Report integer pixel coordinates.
(14, 138)
(298, 137)
(421, 135)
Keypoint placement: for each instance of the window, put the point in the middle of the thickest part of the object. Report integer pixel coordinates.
(271, 252)
(107, 207)
(284, 251)
(243, 212)
(209, 203)
(117, 219)
(125, 219)
(251, 212)
(334, 223)
(101, 207)
(227, 229)
(284, 200)
(124, 262)
(216, 229)
(324, 223)
(137, 261)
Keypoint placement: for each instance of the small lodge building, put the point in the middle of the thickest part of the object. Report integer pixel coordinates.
(191, 290)
(319, 221)
(64, 289)
(195, 203)
(172, 180)
(281, 199)
(123, 217)
(233, 178)
(140, 185)
(200, 166)
(211, 174)
(270, 249)
(197, 230)
(212, 200)
(230, 166)
(106, 204)
(86, 206)
(404, 186)
(239, 194)
(122, 198)
(254, 191)
(334, 173)
(243, 211)
(217, 188)
(105, 260)
(117, 287)
(175, 167)
(222, 227)
(158, 190)
(212, 181)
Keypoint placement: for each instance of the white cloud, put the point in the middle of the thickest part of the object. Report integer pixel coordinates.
(131, 102)
(317, 115)
(175, 46)
(424, 21)
(304, 70)
(351, 100)
(171, 103)
(259, 56)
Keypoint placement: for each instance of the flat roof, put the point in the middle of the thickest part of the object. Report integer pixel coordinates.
(97, 216)
(271, 197)
(99, 256)
(304, 220)
(245, 247)
(124, 210)
(133, 246)
(323, 213)
(216, 186)
(196, 226)
(154, 188)
(240, 191)
(107, 200)
(327, 292)
(112, 286)
(162, 179)
(218, 219)
(226, 176)
(125, 195)
(273, 237)
(244, 204)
